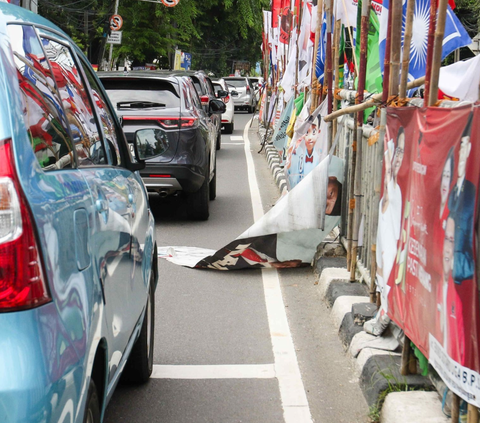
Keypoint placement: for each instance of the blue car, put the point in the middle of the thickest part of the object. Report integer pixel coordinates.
(78, 261)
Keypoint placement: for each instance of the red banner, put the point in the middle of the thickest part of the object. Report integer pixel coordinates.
(426, 250)
(276, 10)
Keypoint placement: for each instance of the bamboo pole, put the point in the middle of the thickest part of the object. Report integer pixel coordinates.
(431, 39)
(472, 416)
(406, 48)
(358, 139)
(437, 51)
(318, 30)
(386, 61)
(455, 408)
(337, 41)
(372, 101)
(396, 31)
(328, 54)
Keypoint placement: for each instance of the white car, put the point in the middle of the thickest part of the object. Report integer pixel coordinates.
(229, 116)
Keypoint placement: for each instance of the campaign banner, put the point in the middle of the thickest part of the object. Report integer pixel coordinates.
(286, 236)
(426, 241)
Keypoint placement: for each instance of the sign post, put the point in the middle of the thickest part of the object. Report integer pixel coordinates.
(111, 44)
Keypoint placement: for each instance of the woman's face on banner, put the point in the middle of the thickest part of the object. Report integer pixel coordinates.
(332, 194)
(446, 179)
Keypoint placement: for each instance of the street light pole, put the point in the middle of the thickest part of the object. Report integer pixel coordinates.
(109, 67)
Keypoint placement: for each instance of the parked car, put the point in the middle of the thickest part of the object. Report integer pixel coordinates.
(78, 260)
(228, 118)
(242, 93)
(257, 82)
(175, 135)
(203, 85)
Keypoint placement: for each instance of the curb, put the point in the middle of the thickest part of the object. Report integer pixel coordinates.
(403, 397)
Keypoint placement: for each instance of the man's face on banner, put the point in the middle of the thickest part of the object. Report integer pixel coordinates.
(311, 138)
(448, 247)
(332, 194)
(465, 147)
(398, 157)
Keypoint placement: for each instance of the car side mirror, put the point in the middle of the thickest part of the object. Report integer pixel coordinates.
(217, 107)
(222, 94)
(150, 142)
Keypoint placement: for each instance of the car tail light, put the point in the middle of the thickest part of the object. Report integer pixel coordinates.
(167, 122)
(226, 99)
(204, 99)
(22, 283)
(248, 89)
(159, 176)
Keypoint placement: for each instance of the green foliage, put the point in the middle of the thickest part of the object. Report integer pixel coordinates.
(215, 32)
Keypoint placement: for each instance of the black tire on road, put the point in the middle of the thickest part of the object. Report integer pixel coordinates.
(212, 186)
(140, 363)
(197, 202)
(92, 409)
(229, 128)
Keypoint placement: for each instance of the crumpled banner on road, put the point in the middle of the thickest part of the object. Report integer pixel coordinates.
(286, 236)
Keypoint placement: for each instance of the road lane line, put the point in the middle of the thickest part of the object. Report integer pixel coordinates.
(236, 137)
(292, 391)
(228, 371)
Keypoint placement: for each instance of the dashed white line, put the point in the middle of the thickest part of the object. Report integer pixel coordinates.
(228, 371)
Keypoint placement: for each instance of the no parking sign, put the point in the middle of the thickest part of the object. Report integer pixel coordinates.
(170, 3)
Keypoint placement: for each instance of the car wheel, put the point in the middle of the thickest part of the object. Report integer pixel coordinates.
(212, 186)
(197, 202)
(140, 363)
(92, 410)
(219, 139)
(229, 128)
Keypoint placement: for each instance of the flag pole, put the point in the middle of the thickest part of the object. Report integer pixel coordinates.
(386, 61)
(336, 42)
(356, 170)
(431, 38)
(315, 83)
(437, 51)
(406, 49)
(328, 58)
(299, 13)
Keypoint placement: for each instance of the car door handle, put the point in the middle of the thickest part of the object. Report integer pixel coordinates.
(101, 206)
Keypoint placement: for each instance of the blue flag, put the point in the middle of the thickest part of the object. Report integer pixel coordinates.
(321, 53)
(455, 36)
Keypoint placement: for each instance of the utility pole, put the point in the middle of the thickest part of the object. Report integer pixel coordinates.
(111, 45)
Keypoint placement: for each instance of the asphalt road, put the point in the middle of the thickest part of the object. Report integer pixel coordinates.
(223, 350)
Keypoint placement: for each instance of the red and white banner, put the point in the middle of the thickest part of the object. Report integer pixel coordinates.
(426, 249)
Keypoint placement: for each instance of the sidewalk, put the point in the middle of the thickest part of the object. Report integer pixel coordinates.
(392, 398)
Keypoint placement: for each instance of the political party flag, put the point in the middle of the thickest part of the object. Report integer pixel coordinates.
(461, 79)
(276, 10)
(321, 52)
(346, 12)
(455, 36)
(373, 80)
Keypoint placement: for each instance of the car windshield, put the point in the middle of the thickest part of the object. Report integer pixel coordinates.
(237, 82)
(159, 94)
(217, 87)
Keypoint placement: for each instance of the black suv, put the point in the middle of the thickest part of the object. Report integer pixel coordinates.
(203, 85)
(173, 133)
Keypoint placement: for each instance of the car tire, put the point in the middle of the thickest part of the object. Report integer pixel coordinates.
(92, 409)
(219, 140)
(229, 128)
(212, 186)
(140, 363)
(197, 202)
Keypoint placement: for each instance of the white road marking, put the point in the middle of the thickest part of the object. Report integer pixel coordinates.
(292, 391)
(234, 371)
(232, 143)
(236, 137)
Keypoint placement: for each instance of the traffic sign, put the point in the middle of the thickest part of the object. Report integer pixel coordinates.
(170, 3)
(116, 22)
(115, 37)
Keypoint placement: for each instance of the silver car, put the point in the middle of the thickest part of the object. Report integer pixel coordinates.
(243, 93)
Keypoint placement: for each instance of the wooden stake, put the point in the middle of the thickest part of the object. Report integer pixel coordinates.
(328, 55)
(437, 51)
(406, 49)
(431, 39)
(318, 30)
(407, 356)
(386, 61)
(337, 40)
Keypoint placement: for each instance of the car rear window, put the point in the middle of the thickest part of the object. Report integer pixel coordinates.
(236, 82)
(217, 87)
(141, 90)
